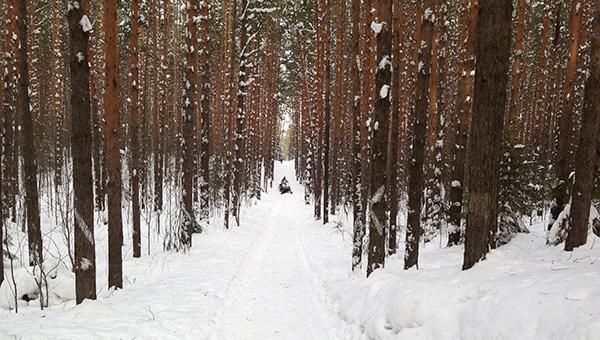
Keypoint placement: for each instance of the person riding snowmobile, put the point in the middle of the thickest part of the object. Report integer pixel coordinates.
(284, 187)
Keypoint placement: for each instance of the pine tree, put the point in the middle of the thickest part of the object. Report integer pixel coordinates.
(587, 154)
(463, 114)
(205, 112)
(358, 211)
(416, 175)
(485, 144)
(563, 157)
(111, 105)
(189, 106)
(382, 27)
(85, 255)
(134, 103)
(32, 204)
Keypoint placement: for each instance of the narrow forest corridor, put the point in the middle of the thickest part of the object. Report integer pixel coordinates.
(277, 295)
(441, 157)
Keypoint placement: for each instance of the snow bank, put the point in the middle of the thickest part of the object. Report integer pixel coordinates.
(60, 285)
(524, 290)
(558, 232)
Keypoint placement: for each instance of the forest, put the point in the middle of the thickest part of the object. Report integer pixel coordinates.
(142, 145)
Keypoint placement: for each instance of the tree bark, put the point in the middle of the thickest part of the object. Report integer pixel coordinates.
(34, 233)
(81, 140)
(205, 112)
(563, 160)
(493, 41)
(327, 123)
(464, 106)
(585, 163)
(382, 27)
(416, 173)
(9, 147)
(392, 166)
(189, 111)
(134, 127)
(111, 105)
(516, 74)
(240, 135)
(358, 210)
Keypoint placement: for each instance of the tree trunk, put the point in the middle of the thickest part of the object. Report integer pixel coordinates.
(81, 140)
(327, 123)
(189, 111)
(563, 160)
(34, 234)
(382, 27)
(416, 173)
(240, 135)
(464, 111)
(205, 112)
(134, 127)
(392, 166)
(358, 210)
(493, 41)
(585, 163)
(111, 105)
(156, 141)
(9, 146)
(517, 74)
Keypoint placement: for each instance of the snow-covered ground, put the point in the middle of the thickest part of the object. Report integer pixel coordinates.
(283, 275)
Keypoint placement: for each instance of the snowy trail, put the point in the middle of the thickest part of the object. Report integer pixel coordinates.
(257, 281)
(276, 296)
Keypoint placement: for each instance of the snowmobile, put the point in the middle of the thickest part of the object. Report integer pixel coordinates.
(284, 187)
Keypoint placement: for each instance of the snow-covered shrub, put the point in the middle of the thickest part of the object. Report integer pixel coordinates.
(59, 284)
(520, 190)
(559, 231)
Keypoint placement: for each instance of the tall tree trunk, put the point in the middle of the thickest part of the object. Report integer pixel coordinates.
(327, 101)
(382, 26)
(542, 86)
(563, 159)
(81, 141)
(416, 173)
(156, 128)
(358, 211)
(368, 89)
(134, 126)
(392, 166)
(587, 155)
(240, 135)
(32, 204)
(111, 106)
(9, 103)
(464, 108)
(205, 112)
(321, 42)
(493, 41)
(511, 123)
(189, 106)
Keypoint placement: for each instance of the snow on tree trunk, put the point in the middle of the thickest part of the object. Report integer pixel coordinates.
(81, 139)
(378, 204)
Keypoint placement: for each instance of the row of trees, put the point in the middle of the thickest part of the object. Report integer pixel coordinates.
(467, 115)
(166, 110)
(172, 109)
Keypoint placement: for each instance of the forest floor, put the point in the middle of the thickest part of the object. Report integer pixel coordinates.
(283, 275)
(256, 281)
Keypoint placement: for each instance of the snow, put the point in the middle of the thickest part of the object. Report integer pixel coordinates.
(85, 24)
(283, 275)
(376, 27)
(383, 92)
